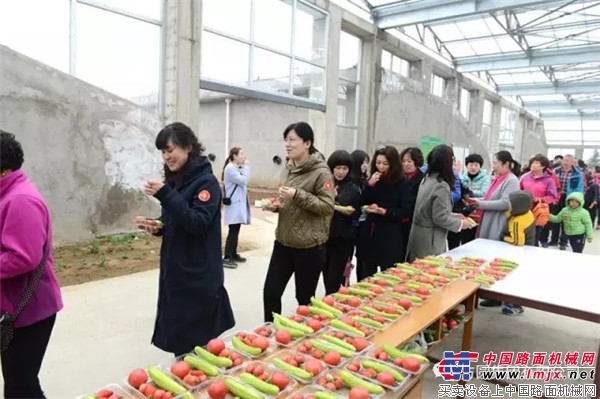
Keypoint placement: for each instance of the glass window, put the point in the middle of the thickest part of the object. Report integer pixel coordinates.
(145, 8)
(309, 81)
(386, 60)
(42, 34)
(124, 59)
(465, 103)
(223, 59)
(271, 72)
(508, 121)
(217, 15)
(346, 138)
(310, 34)
(394, 64)
(348, 91)
(437, 85)
(273, 24)
(349, 56)
(488, 112)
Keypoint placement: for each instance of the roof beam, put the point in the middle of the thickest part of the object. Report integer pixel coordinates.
(546, 57)
(545, 106)
(570, 116)
(535, 89)
(416, 12)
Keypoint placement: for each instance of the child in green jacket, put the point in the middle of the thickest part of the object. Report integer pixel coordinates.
(576, 221)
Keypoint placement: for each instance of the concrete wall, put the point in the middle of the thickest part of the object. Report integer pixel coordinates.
(86, 150)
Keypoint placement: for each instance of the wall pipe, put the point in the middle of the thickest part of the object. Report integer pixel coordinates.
(227, 106)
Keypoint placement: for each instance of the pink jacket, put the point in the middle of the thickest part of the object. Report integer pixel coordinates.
(540, 187)
(25, 226)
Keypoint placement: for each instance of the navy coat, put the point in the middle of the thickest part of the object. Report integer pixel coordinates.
(193, 305)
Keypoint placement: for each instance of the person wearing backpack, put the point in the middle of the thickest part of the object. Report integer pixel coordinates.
(540, 183)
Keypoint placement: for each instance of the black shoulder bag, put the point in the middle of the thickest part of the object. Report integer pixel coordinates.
(7, 321)
(226, 199)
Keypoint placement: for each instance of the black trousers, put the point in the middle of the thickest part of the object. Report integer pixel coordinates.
(539, 233)
(305, 264)
(339, 252)
(231, 243)
(22, 361)
(577, 243)
(558, 233)
(457, 239)
(593, 213)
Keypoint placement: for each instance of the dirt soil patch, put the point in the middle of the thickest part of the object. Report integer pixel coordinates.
(111, 256)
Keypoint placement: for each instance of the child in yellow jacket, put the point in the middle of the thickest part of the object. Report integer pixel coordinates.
(520, 230)
(520, 220)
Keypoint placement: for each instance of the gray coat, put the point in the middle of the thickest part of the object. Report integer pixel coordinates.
(493, 221)
(432, 219)
(239, 210)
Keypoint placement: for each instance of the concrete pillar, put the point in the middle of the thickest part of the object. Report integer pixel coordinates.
(181, 66)
(495, 135)
(452, 92)
(369, 100)
(579, 153)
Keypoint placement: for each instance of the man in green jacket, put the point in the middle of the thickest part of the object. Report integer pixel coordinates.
(576, 222)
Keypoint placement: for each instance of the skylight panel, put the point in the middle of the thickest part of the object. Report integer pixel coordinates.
(507, 44)
(448, 32)
(460, 49)
(542, 98)
(484, 47)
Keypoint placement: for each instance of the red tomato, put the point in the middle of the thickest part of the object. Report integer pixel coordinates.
(137, 377)
(258, 370)
(411, 364)
(159, 394)
(332, 358)
(280, 379)
(386, 378)
(104, 393)
(217, 390)
(260, 342)
(180, 369)
(313, 366)
(358, 393)
(303, 310)
(283, 337)
(215, 346)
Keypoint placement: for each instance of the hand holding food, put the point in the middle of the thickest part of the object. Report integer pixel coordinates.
(151, 187)
(287, 192)
(374, 178)
(152, 226)
(346, 210)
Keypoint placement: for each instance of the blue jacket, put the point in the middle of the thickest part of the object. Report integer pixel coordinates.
(479, 184)
(576, 180)
(456, 192)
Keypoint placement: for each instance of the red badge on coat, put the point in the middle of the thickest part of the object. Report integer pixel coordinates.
(328, 185)
(204, 195)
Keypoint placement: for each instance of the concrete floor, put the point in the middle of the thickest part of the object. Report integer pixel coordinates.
(105, 328)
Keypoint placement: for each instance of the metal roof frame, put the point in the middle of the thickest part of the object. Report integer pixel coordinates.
(522, 47)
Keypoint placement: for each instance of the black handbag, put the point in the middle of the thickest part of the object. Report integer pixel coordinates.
(226, 199)
(7, 321)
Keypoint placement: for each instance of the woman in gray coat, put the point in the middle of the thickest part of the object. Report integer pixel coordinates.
(494, 206)
(433, 216)
(236, 174)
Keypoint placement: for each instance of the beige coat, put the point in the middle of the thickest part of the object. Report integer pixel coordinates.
(432, 219)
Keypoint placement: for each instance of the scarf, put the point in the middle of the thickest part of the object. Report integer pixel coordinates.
(493, 187)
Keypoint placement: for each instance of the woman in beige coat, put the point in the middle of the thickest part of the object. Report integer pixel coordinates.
(433, 216)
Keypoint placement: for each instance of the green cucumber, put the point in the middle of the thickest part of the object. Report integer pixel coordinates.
(293, 332)
(320, 304)
(293, 324)
(397, 353)
(338, 342)
(240, 345)
(203, 365)
(321, 312)
(411, 298)
(241, 390)
(385, 304)
(340, 325)
(218, 361)
(259, 384)
(365, 285)
(367, 321)
(388, 277)
(360, 292)
(379, 367)
(329, 347)
(324, 395)
(374, 311)
(293, 370)
(165, 382)
(353, 381)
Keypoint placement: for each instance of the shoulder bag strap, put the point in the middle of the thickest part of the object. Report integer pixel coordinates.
(235, 188)
(33, 281)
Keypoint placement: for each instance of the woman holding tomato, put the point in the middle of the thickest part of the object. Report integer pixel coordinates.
(193, 305)
(307, 203)
(388, 205)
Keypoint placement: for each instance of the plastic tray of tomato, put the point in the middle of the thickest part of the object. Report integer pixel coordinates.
(217, 388)
(412, 366)
(378, 372)
(269, 374)
(331, 358)
(314, 323)
(249, 343)
(382, 321)
(403, 305)
(185, 373)
(266, 330)
(150, 389)
(304, 311)
(309, 391)
(362, 345)
(332, 382)
(367, 332)
(110, 391)
(222, 349)
(312, 366)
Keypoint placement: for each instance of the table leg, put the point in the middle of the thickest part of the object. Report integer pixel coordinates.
(597, 376)
(468, 327)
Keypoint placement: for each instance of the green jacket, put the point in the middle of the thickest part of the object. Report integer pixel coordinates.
(305, 220)
(575, 221)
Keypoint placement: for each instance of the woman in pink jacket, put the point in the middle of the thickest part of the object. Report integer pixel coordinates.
(29, 292)
(540, 182)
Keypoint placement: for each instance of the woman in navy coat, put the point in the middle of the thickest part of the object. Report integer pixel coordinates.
(193, 305)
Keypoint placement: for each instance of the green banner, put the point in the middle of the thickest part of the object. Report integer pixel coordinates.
(428, 143)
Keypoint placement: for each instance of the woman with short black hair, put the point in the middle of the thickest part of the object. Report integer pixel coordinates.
(30, 295)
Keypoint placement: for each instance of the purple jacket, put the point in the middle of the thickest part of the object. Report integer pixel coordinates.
(540, 187)
(25, 226)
